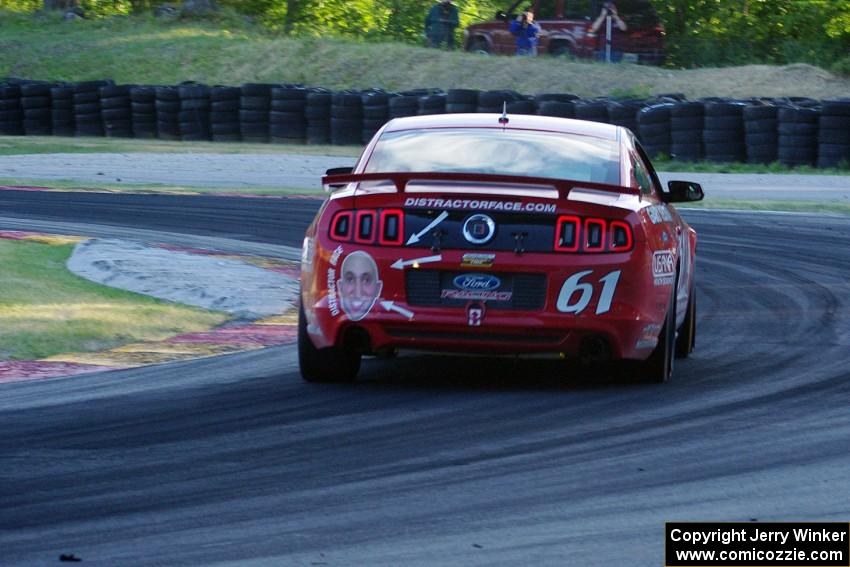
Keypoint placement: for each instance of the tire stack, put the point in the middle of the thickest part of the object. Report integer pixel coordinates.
(834, 133)
(723, 132)
(346, 118)
(432, 104)
(495, 101)
(254, 112)
(143, 111)
(556, 104)
(115, 110)
(686, 126)
(194, 116)
(525, 105)
(11, 114)
(318, 114)
(287, 124)
(224, 113)
(798, 136)
(592, 110)
(760, 133)
(376, 113)
(35, 100)
(62, 110)
(87, 119)
(654, 128)
(167, 113)
(403, 105)
(460, 101)
(624, 113)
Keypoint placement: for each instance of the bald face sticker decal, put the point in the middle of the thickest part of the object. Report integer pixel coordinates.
(359, 285)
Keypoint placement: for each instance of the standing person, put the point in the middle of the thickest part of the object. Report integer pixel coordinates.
(609, 10)
(526, 32)
(440, 24)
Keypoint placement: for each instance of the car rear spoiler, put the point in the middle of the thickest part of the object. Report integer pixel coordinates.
(402, 179)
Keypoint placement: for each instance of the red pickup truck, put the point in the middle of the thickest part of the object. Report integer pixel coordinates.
(565, 30)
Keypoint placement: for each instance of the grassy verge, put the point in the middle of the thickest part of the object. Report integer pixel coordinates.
(47, 310)
(145, 50)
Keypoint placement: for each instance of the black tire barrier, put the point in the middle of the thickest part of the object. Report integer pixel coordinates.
(723, 131)
(462, 96)
(557, 108)
(193, 117)
(794, 130)
(115, 111)
(654, 128)
(798, 135)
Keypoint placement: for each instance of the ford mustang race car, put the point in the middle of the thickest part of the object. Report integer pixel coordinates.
(488, 233)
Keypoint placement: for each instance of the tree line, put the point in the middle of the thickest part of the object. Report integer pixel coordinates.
(699, 32)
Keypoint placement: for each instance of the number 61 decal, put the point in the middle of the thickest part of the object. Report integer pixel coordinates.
(585, 290)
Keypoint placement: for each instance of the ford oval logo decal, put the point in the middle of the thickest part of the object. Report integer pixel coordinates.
(477, 282)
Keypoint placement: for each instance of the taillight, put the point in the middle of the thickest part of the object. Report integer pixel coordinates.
(594, 235)
(621, 237)
(368, 225)
(567, 234)
(341, 226)
(573, 234)
(364, 233)
(392, 228)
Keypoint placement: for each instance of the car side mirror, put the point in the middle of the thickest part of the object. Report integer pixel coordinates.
(683, 192)
(501, 16)
(339, 170)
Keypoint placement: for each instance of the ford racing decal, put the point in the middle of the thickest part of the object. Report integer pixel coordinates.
(477, 282)
(479, 205)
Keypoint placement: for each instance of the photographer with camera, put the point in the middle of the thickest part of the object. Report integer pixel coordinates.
(606, 48)
(526, 32)
(440, 24)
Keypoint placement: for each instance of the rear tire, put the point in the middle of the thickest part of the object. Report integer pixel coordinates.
(687, 337)
(332, 364)
(658, 368)
(479, 46)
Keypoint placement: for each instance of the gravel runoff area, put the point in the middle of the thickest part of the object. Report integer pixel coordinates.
(212, 282)
(305, 172)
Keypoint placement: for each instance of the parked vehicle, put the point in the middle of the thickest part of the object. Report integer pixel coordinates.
(565, 30)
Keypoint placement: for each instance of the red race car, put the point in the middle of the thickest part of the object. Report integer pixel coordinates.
(488, 233)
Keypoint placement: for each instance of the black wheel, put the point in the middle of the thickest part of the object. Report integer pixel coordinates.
(658, 368)
(480, 47)
(563, 52)
(332, 364)
(686, 339)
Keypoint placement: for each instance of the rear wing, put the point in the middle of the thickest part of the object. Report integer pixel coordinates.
(400, 181)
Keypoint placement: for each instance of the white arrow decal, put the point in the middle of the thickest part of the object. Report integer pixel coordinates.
(414, 238)
(401, 264)
(390, 306)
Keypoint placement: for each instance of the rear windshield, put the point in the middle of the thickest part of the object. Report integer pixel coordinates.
(496, 151)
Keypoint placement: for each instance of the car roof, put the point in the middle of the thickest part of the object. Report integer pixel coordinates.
(515, 121)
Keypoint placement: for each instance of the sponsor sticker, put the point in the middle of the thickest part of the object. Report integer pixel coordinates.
(649, 336)
(475, 315)
(480, 205)
(663, 267)
(472, 260)
(482, 295)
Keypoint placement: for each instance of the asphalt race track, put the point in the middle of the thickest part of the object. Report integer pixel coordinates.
(440, 461)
